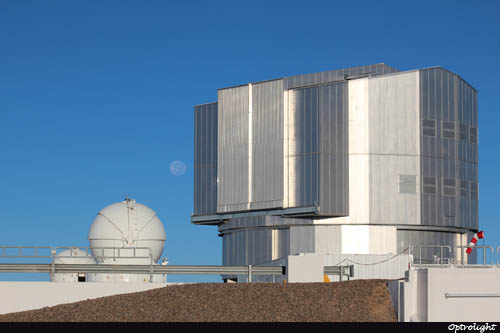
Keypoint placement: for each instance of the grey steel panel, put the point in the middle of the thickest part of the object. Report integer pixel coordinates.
(267, 145)
(301, 239)
(205, 159)
(252, 246)
(335, 75)
(449, 100)
(284, 243)
(288, 212)
(232, 188)
(318, 157)
(262, 221)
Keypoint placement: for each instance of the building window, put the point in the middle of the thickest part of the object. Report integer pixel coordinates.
(448, 130)
(474, 191)
(429, 127)
(408, 184)
(473, 135)
(449, 187)
(429, 185)
(463, 189)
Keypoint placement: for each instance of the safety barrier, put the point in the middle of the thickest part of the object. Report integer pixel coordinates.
(117, 253)
(453, 258)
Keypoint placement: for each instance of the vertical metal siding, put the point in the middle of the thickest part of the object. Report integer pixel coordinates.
(318, 151)
(232, 173)
(444, 96)
(249, 240)
(301, 239)
(205, 159)
(267, 145)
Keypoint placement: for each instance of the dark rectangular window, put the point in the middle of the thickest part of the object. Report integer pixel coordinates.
(474, 191)
(429, 127)
(430, 181)
(429, 185)
(449, 187)
(449, 191)
(448, 130)
(429, 123)
(473, 135)
(429, 190)
(449, 125)
(463, 188)
(448, 182)
(429, 132)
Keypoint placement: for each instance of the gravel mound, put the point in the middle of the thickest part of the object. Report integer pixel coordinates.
(349, 301)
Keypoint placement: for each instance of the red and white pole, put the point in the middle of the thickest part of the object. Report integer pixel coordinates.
(477, 235)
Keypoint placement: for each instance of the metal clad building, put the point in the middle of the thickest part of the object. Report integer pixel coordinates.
(205, 159)
(365, 160)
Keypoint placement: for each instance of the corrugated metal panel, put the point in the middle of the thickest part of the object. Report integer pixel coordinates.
(232, 173)
(317, 150)
(205, 159)
(334, 168)
(267, 145)
(302, 239)
(335, 75)
(448, 100)
(253, 246)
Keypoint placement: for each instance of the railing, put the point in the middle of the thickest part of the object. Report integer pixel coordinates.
(476, 295)
(118, 253)
(439, 260)
(90, 252)
(113, 253)
(162, 269)
(452, 259)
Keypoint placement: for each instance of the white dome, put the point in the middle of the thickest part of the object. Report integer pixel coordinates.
(71, 256)
(126, 225)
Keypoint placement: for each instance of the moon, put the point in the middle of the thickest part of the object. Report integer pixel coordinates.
(177, 168)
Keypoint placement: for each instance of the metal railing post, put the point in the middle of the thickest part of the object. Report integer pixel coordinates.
(53, 253)
(249, 273)
(441, 257)
(150, 265)
(420, 259)
(498, 251)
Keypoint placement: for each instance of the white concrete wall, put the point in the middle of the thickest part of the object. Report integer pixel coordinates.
(463, 281)
(425, 295)
(22, 296)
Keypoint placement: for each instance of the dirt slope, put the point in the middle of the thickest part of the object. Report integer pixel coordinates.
(358, 300)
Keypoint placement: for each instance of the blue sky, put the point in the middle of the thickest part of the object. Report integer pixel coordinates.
(96, 97)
